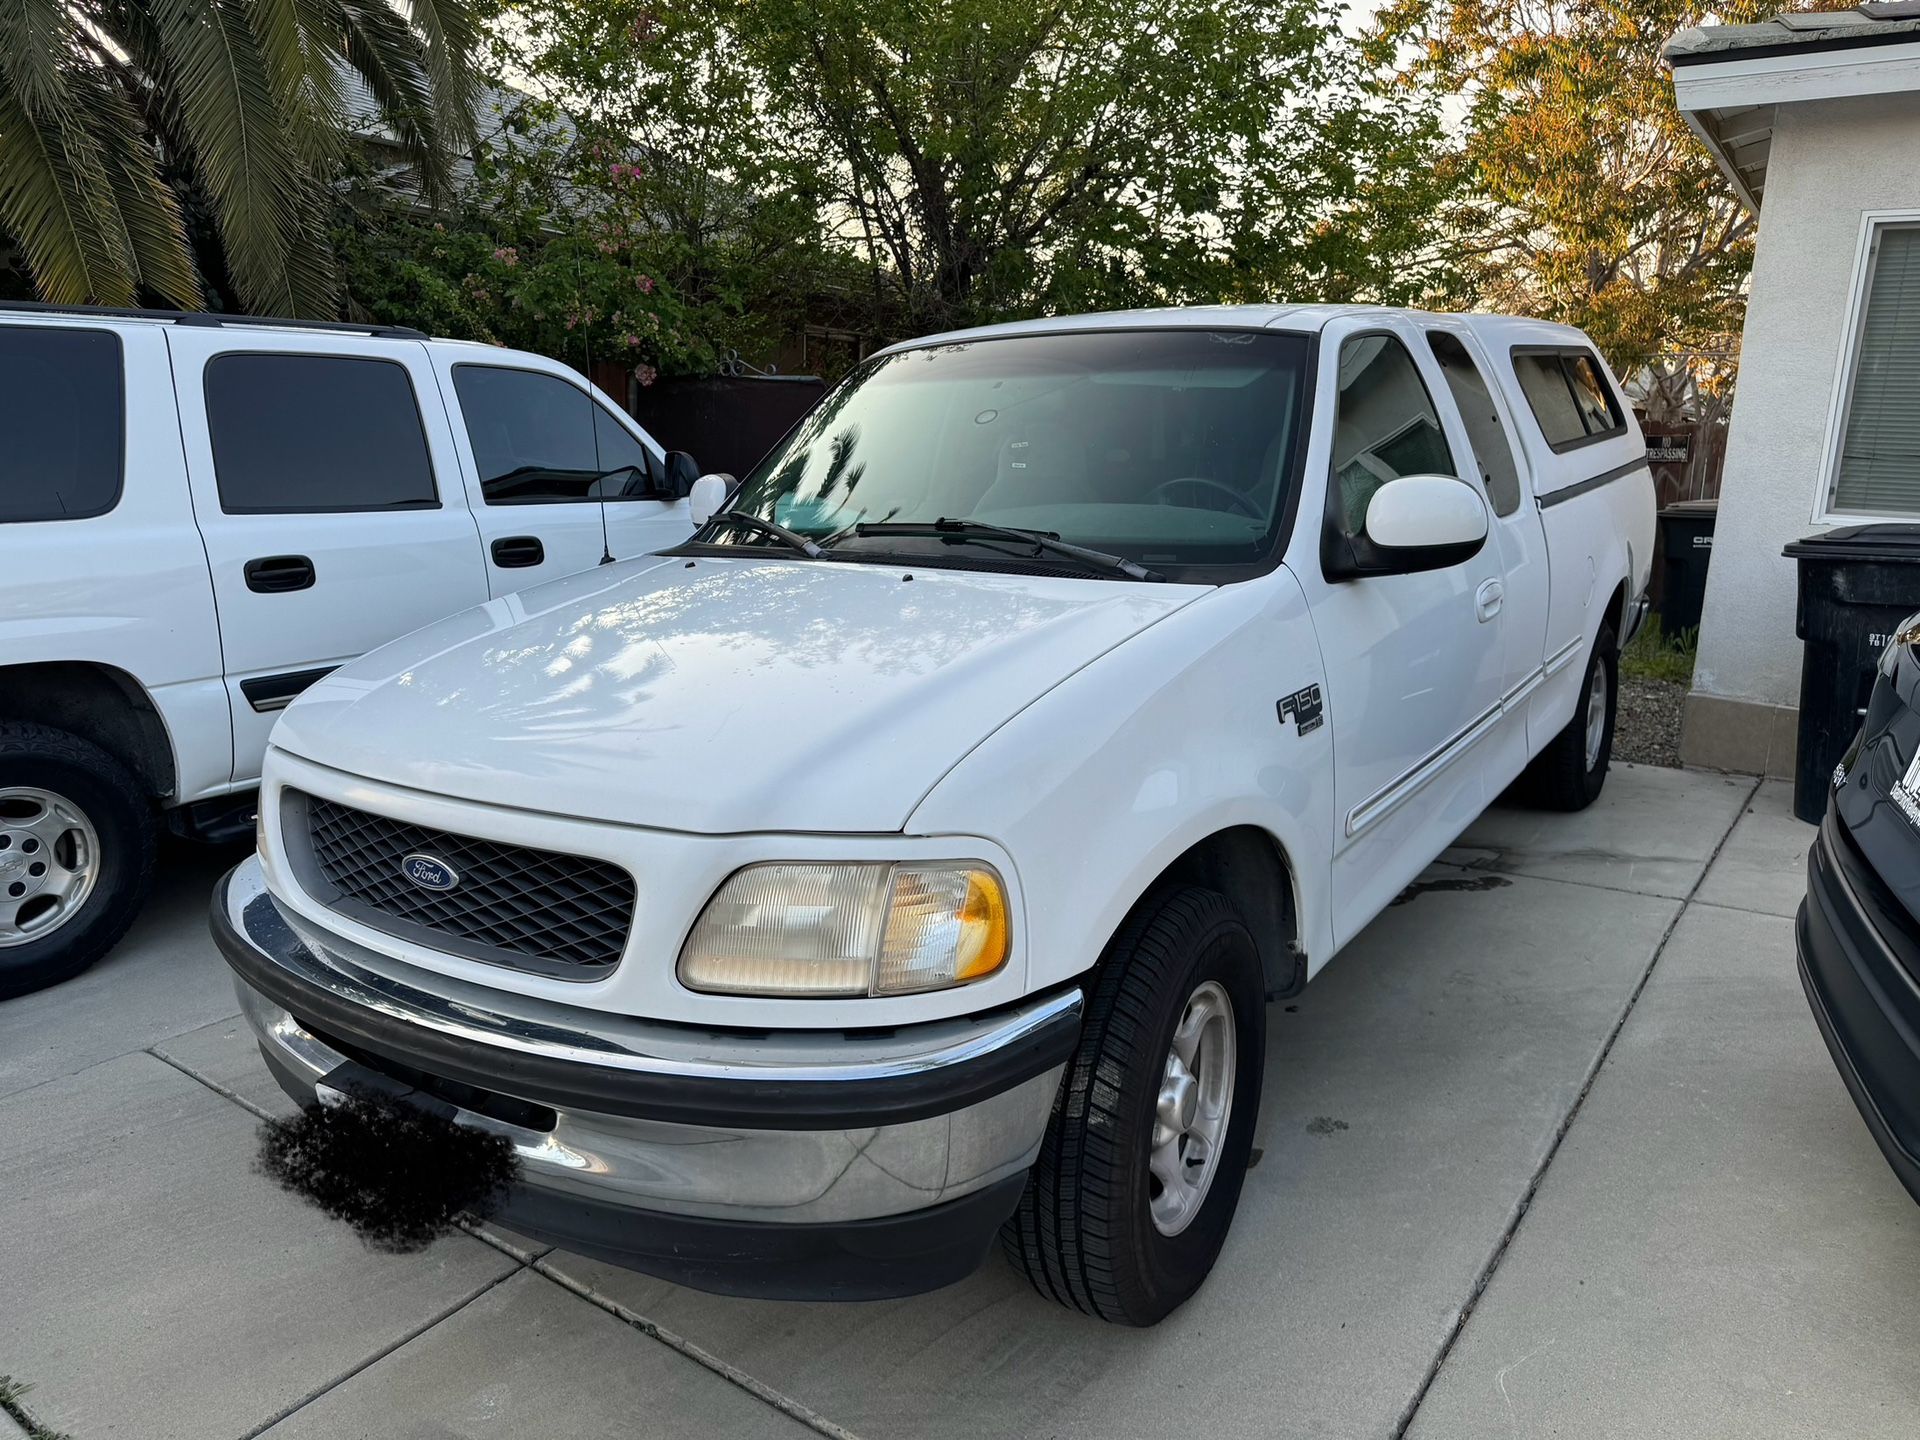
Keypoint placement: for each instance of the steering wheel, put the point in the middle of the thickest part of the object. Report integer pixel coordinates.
(1235, 500)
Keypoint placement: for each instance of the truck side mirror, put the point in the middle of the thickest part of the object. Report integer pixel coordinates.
(681, 472)
(705, 497)
(1414, 523)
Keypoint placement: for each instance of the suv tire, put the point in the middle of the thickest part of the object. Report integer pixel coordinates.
(73, 818)
(1569, 773)
(1097, 1228)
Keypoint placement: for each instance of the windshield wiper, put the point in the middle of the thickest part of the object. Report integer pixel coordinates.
(945, 529)
(767, 527)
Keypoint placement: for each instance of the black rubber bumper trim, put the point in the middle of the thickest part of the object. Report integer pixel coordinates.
(878, 1259)
(722, 1103)
(1844, 964)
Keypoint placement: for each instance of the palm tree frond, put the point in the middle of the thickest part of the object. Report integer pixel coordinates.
(389, 57)
(451, 30)
(44, 204)
(237, 132)
(36, 47)
(146, 215)
(304, 77)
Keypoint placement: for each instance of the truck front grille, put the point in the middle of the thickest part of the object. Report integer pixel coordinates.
(562, 915)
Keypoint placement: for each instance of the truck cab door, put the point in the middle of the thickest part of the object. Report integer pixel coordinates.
(556, 477)
(329, 501)
(1414, 662)
(1520, 539)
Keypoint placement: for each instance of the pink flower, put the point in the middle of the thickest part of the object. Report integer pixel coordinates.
(645, 282)
(646, 374)
(507, 255)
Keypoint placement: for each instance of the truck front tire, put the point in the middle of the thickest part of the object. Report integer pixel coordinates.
(1137, 1180)
(76, 855)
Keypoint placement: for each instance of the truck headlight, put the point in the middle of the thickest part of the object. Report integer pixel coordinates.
(851, 929)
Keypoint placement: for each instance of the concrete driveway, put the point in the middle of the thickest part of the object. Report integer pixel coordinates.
(1554, 1149)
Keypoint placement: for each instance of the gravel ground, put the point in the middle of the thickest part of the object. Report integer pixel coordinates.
(1646, 724)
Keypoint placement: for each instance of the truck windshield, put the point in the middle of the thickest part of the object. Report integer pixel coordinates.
(1171, 448)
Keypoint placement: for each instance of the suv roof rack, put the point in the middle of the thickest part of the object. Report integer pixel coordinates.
(209, 317)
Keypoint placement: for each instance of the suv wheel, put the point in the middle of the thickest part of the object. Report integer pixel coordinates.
(76, 855)
(1138, 1177)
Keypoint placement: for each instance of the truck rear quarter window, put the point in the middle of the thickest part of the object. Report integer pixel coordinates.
(1569, 396)
(314, 434)
(62, 422)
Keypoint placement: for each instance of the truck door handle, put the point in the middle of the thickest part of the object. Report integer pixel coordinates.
(516, 552)
(278, 574)
(1487, 600)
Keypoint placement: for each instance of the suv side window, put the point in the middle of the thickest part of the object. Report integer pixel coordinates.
(63, 419)
(1485, 433)
(316, 434)
(539, 440)
(1384, 425)
(1569, 396)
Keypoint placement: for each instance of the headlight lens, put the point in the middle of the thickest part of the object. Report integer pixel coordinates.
(852, 929)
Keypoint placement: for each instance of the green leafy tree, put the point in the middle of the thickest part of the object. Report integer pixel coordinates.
(1000, 157)
(129, 127)
(660, 94)
(1585, 197)
(533, 255)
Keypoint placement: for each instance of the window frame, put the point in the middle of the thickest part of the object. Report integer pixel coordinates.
(1509, 435)
(1344, 557)
(593, 400)
(1286, 523)
(1613, 400)
(1336, 514)
(120, 470)
(438, 502)
(1565, 353)
(1840, 403)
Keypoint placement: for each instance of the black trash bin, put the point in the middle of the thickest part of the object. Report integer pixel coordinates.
(1686, 548)
(1856, 585)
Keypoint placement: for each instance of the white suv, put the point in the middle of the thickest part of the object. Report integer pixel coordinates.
(201, 515)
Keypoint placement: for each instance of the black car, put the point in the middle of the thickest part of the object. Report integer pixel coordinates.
(1859, 928)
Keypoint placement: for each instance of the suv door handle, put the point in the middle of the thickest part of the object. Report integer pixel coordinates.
(1487, 600)
(278, 574)
(516, 552)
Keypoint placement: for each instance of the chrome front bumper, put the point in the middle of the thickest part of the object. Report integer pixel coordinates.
(811, 1133)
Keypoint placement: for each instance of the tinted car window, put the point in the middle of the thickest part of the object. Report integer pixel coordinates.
(1491, 450)
(1384, 427)
(1593, 395)
(538, 439)
(312, 434)
(62, 422)
(1569, 395)
(1545, 385)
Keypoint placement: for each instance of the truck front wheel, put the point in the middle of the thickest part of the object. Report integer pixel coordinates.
(1138, 1177)
(76, 855)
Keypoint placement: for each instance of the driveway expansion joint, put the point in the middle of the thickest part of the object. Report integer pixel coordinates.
(793, 1409)
(1519, 1215)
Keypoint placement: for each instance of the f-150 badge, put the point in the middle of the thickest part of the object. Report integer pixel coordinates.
(1306, 709)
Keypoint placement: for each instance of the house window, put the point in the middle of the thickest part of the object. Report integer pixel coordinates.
(1879, 471)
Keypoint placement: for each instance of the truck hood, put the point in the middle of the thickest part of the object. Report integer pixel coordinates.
(720, 696)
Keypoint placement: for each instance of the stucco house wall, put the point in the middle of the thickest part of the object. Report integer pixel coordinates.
(1833, 163)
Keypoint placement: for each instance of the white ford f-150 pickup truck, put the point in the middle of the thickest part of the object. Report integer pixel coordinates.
(201, 514)
(909, 856)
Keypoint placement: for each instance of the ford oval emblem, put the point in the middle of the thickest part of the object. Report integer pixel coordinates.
(429, 872)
